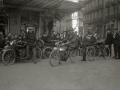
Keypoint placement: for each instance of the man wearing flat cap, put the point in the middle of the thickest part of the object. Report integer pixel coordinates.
(109, 39)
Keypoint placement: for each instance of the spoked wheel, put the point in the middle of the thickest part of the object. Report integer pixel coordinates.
(90, 53)
(74, 55)
(106, 53)
(46, 52)
(38, 55)
(54, 58)
(8, 57)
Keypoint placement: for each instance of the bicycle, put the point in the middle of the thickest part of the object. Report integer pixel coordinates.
(59, 51)
(90, 53)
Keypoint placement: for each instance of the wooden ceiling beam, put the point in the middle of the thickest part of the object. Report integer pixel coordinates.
(24, 8)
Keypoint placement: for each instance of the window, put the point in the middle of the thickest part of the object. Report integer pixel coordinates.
(73, 0)
(75, 21)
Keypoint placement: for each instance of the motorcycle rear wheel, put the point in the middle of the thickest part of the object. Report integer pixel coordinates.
(46, 52)
(8, 57)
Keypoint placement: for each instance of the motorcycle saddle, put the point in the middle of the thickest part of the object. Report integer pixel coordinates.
(48, 44)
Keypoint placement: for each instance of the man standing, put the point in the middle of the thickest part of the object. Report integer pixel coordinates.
(115, 42)
(109, 39)
(119, 46)
(31, 41)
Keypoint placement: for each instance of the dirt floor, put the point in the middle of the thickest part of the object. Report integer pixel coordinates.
(90, 75)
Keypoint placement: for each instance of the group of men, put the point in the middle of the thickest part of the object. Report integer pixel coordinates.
(29, 37)
(113, 38)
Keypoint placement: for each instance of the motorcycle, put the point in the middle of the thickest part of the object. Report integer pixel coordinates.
(16, 50)
(61, 53)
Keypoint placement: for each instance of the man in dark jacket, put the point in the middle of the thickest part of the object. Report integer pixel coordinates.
(109, 39)
(115, 42)
(118, 47)
(31, 41)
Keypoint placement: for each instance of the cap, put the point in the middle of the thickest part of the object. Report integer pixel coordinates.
(108, 30)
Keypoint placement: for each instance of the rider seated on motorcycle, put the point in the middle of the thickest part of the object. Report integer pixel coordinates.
(88, 41)
(71, 39)
(31, 41)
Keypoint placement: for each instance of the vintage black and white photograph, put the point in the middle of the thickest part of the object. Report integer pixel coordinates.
(59, 44)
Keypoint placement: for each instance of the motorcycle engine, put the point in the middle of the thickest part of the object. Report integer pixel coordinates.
(22, 53)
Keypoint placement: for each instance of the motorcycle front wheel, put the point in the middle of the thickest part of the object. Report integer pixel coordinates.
(38, 55)
(54, 58)
(8, 57)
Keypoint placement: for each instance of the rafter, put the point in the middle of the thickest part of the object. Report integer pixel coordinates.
(45, 2)
(38, 4)
(24, 2)
(50, 3)
(34, 3)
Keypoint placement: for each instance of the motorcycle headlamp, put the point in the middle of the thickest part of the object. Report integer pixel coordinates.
(11, 43)
(62, 49)
(55, 48)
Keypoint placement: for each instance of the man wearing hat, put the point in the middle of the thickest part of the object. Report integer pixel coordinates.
(109, 39)
(115, 42)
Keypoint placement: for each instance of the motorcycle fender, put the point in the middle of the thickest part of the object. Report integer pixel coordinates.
(4, 50)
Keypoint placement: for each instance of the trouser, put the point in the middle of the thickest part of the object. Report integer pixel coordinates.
(119, 51)
(115, 50)
(84, 55)
(110, 49)
(84, 51)
(33, 50)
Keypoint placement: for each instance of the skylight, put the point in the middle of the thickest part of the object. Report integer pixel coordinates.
(73, 0)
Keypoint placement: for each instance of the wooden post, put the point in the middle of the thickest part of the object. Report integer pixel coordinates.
(60, 27)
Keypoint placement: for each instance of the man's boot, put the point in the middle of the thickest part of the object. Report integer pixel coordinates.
(84, 56)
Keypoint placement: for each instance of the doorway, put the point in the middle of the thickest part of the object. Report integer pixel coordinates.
(2, 29)
(3, 25)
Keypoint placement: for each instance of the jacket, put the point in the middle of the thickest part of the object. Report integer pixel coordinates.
(87, 42)
(31, 38)
(72, 38)
(115, 39)
(109, 39)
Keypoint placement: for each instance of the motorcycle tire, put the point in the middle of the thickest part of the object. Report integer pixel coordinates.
(8, 57)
